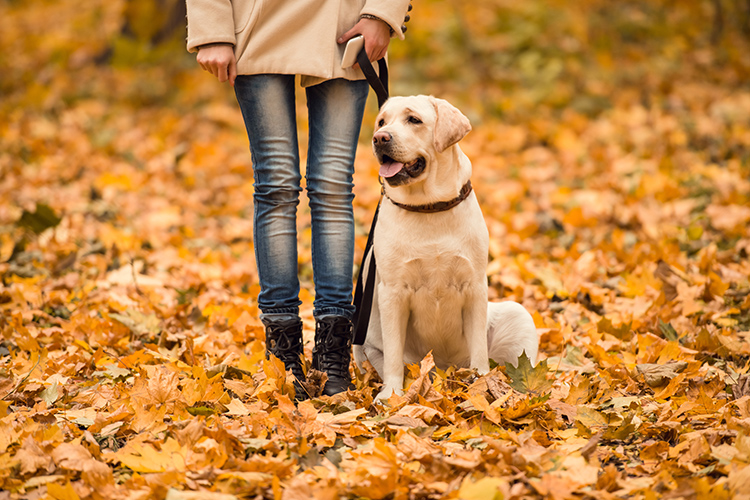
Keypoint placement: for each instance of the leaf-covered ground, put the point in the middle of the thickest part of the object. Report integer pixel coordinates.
(611, 153)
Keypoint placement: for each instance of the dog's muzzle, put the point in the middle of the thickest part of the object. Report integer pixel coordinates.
(395, 171)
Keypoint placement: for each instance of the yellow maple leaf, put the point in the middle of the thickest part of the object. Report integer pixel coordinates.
(62, 492)
(486, 488)
(145, 457)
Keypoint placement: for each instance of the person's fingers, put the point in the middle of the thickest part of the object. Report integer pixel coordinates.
(377, 36)
(373, 49)
(223, 70)
(211, 67)
(202, 62)
(232, 71)
(219, 61)
(376, 51)
(349, 34)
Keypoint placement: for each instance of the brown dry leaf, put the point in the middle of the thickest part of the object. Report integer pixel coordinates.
(32, 457)
(374, 472)
(425, 414)
(329, 425)
(742, 387)
(658, 375)
(416, 448)
(422, 386)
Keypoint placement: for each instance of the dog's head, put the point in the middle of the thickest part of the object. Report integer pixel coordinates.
(412, 133)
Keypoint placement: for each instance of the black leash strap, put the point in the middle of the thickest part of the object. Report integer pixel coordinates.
(378, 83)
(363, 293)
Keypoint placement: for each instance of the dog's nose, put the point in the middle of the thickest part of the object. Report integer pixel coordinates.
(381, 138)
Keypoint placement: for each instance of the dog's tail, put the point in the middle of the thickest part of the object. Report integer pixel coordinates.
(510, 332)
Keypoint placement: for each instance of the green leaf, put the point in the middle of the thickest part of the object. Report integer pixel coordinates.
(201, 411)
(668, 331)
(529, 379)
(40, 220)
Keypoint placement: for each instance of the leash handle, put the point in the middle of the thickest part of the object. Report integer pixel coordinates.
(364, 293)
(378, 83)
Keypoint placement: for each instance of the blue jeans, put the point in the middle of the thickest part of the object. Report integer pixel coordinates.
(335, 110)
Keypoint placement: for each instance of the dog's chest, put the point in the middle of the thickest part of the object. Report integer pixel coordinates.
(436, 274)
(417, 259)
(433, 252)
(436, 288)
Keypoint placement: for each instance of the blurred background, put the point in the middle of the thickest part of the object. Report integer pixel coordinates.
(502, 59)
(519, 62)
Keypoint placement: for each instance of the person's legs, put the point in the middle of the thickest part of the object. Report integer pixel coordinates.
(335, 115)
(268, 108)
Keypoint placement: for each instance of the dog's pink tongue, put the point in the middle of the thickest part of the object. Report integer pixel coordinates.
(390, 169)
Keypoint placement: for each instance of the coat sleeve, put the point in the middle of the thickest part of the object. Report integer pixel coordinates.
(392, 12)
(209, 21)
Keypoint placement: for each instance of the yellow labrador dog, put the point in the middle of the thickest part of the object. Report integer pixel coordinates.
(431, 246)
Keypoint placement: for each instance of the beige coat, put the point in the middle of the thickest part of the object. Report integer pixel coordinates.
(292, 37)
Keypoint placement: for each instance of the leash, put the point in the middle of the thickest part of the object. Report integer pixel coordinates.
(364, 292)
(378, 83)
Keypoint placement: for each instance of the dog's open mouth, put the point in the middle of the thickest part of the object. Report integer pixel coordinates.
(390, 167)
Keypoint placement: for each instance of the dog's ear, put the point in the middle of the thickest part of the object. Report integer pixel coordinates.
(451, 125)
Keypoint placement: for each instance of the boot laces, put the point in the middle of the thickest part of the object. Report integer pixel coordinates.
(279, 339)
(333, 347)
(285, 345)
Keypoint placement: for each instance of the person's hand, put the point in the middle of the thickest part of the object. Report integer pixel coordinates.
(219, 60)
(377, 36)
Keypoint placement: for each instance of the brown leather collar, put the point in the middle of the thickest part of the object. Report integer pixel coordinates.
(440, 206)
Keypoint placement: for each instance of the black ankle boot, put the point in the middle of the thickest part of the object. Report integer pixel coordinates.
(284, 340)
(332, 352)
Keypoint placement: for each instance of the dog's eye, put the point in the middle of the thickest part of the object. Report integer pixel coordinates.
(414, 120)
(381, 123)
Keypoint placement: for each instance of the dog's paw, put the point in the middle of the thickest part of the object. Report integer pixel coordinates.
(482, 369)
(386, 393)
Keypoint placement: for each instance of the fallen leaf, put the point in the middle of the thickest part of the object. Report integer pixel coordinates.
(529, 379)
(658, 375)
(486, 488)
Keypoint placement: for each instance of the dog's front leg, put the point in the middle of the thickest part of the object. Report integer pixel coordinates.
(475, 330)
(394, 317)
